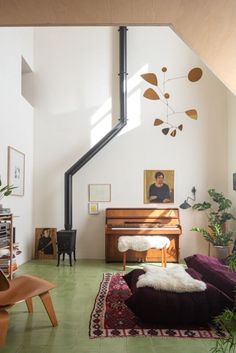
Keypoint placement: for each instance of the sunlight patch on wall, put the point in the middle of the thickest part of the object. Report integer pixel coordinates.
(101, 120)
(134, 101)
(102, 126)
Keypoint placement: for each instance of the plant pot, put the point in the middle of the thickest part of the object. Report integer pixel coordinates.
(222, 252)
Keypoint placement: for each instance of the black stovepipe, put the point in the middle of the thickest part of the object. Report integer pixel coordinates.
(109, 136)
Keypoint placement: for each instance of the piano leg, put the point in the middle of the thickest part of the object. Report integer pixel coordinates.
(124, 260)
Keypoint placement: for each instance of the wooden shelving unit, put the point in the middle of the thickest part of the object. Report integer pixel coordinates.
(6, 243)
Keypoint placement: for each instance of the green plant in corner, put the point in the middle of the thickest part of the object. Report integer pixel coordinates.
(218, 214)
(5, 190)
(226, 319)
(215, 235)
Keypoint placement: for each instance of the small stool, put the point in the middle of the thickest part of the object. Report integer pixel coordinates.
(143, 243)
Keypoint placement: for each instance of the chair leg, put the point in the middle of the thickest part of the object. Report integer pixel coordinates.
(47, 302)
(4, 318)
(29, 303)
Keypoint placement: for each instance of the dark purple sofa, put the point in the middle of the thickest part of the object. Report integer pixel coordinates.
(179, 309)
(214, 271)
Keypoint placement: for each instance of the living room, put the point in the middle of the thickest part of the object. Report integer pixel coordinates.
(75, 102)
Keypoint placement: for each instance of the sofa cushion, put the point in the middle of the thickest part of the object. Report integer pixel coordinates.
(214, 271)
(169, 308)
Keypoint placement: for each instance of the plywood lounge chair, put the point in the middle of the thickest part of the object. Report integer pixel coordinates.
(19, 289)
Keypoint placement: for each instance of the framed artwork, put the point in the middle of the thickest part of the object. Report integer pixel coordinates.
(99, 192)
(158, 186)
(234, 181)
(93, 208)
(16, 171)
(45, 243)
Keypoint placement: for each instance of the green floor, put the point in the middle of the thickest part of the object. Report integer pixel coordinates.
(73, 300)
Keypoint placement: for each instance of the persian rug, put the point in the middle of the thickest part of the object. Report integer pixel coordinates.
(110, 316)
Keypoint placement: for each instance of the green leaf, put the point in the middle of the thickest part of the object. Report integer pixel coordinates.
(202, 206)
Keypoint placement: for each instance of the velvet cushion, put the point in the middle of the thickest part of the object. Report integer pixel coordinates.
(169, 308)
(215, 272)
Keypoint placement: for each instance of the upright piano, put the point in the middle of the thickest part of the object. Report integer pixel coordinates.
(142, 221)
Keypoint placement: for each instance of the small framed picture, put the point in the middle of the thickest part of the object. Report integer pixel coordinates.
(93, 208)
(16, 171)
(45, 243)
(99, 192)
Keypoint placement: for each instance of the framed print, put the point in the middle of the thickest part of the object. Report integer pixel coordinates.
(45, 243)
(234, 181)
(158, 186)
(99, 192)
(93, 208)
(16, 171)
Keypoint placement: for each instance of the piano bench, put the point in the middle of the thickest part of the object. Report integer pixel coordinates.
(143, 243)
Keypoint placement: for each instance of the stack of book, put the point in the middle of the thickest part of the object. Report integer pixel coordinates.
(5, 211)
(4, 234)
(5, 258)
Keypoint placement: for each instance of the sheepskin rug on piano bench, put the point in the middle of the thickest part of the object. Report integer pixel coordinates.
(142, 243)
(175, 308)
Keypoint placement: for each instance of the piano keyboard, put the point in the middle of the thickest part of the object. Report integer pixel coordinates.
(144, 228)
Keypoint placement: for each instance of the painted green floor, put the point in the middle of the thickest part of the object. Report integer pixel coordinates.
(73, 300)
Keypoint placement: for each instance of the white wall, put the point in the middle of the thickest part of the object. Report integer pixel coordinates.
(231, 115)
(16, 121)
(73, 88)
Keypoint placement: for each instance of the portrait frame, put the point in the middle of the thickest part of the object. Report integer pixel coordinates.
(16, 171)
(234, 181)
(93, 208)
(99, 192)
(45, 249)
(149, 179)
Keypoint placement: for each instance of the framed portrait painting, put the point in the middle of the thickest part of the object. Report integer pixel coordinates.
(16, 171)
(158, 186)
(45, 243)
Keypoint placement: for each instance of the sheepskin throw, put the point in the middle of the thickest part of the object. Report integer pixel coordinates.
(173, 279)
(142, 243)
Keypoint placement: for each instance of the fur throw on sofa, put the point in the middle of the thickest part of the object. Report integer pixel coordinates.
(173, 279)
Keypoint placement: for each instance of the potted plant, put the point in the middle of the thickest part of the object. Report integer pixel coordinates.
(218, 214)
(5, 191)
(219, 238)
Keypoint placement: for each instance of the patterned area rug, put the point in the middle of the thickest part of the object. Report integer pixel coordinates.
(112, 318)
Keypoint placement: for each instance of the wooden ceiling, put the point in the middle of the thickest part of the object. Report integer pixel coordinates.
(207, 26)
